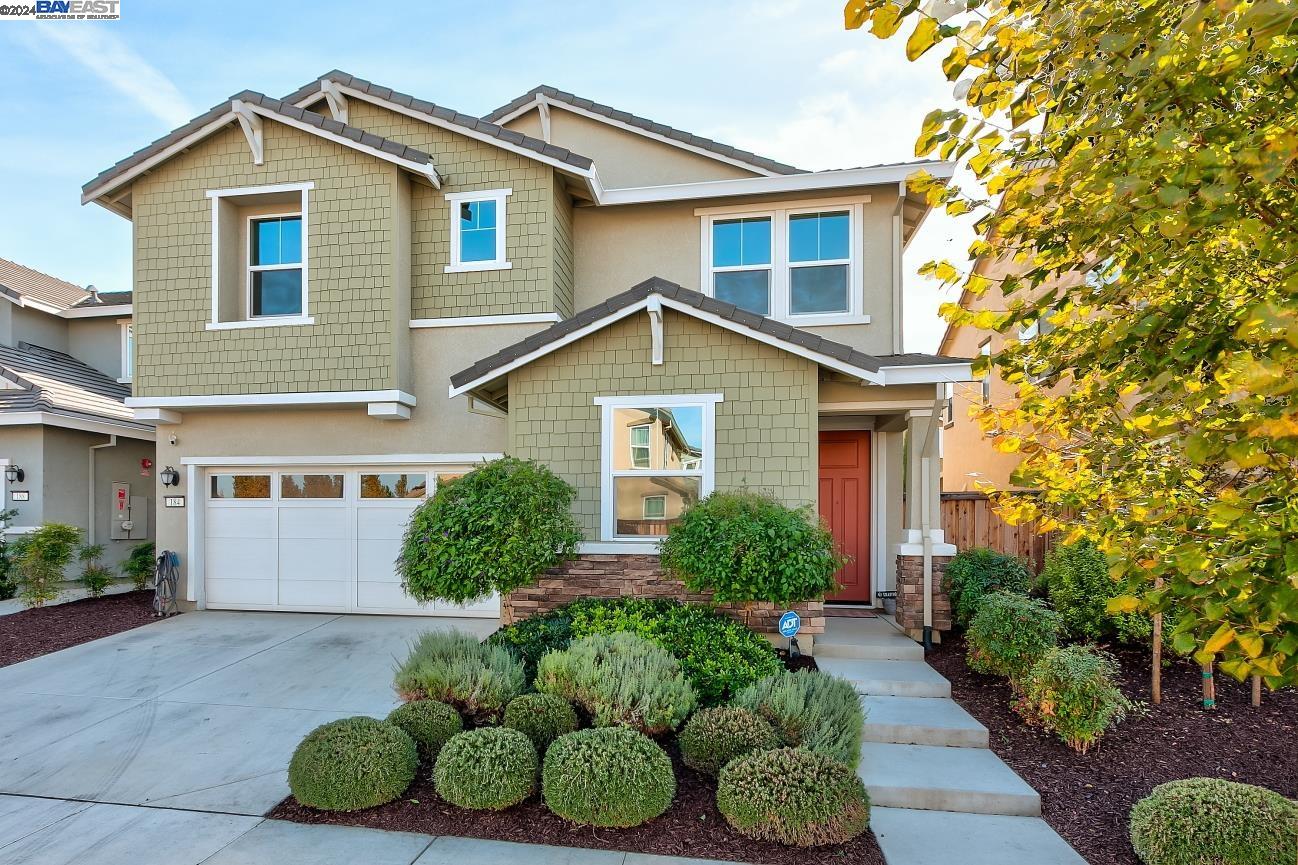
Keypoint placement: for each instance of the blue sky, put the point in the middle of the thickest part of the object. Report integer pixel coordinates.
(780, 77)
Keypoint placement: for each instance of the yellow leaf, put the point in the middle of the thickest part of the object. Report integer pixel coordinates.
(886, 20)
(1123, 604)
(854, 14)
(1224, 636)
(924, 38)
(1250, 643)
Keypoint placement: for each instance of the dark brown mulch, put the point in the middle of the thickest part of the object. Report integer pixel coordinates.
(802, 662)
(30, 633)
(1087, 798)
(692, 826)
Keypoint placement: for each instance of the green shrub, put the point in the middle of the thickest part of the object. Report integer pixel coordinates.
(713, 737)
(746, 546)
(1209, 821)
(8, 581)
(493, 530)
(351, 764)
(718, 655)
(973, 574)
(619, 680)
(1009, 633)
(490, 768)
(139, 566)
(94, 576)
(608, 776)
(1072, 692)
(430, 723)
(811, 710)
(1076, 580)
(541, 718)
(477, 680)
(41, 559)
(793, 796)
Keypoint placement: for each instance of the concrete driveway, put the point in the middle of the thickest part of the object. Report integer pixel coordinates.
(199, 713)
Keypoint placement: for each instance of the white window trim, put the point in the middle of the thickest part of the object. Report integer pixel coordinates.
(260, 321)
(501, 261)
(706, 474)
(648, 445)
(644, 507)
(780, 267)
(128, 352)
(250, 268)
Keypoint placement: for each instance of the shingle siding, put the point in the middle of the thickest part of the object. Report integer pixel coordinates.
(765, 426)
(564, 271)
(351, 256)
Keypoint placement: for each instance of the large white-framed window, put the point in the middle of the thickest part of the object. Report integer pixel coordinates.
(128, 352)
(260, 256)
(799, 262)
(657, 458)
(478, 230)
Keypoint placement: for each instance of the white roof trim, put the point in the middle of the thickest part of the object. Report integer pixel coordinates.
(591, 177)
(344, 460)
(324, 398)
(56, 419)
(542, 99)
(156, 159)
(113, 309)
(811, 181)
(929, 373)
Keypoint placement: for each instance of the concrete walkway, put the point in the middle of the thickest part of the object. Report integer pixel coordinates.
(938, 794)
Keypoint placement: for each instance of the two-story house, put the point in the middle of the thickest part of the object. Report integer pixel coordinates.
(349, 294)
(71, 451)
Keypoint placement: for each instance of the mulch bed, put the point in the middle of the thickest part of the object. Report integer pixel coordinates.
(692, 826)
(31, 633)
(1087, 798)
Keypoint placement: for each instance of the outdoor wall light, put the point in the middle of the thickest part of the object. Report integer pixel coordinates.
(14, 474)
(169, 477)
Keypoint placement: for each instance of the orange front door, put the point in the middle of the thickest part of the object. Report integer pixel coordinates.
(845, 506)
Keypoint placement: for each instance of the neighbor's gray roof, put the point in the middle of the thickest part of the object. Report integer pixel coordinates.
(467, 121)
(276, 106)
(51, 381)
(658, 285)
(106, 298)
(18, 281)
(642, 123)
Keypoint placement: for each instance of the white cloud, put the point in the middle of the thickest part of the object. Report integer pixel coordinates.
(116, 64)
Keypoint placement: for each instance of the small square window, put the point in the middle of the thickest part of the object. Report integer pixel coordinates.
(655, 507)
(478, 229)
(275, 266)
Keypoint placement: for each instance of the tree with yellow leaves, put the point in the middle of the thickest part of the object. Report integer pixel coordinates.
(1150, 144)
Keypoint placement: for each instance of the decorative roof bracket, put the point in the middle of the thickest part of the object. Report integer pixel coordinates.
(250, 122)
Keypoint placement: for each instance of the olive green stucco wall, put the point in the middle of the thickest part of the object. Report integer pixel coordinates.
(766, 425)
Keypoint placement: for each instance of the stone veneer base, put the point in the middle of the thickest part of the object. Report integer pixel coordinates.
(910, 595)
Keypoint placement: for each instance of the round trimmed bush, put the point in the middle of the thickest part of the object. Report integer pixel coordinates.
(430, 723)
(1073, 692)
(793, 796)
(1009, 633)
(352, 763)
(810, 709)
(714, 737)
(607, 776)
(490, 768)
(541, 718)
(1209, 821)
(973, 574)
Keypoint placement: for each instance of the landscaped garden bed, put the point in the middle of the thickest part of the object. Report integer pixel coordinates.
(41, 630)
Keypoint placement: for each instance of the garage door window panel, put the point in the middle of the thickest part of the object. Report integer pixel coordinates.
(394, 485)
(311, 486)
(241, 486)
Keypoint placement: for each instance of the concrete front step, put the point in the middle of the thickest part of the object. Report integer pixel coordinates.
(933, 778)
(921, 721)
(910, 837)
(888, 678)
(866, 639)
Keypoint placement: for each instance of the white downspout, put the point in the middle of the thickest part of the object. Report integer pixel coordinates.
(90, 498)
(925, 516)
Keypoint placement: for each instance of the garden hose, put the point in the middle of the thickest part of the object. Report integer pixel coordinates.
(165, 584)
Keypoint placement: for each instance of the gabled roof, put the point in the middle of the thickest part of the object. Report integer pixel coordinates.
(827, 353)
(17, 282)
(53, 383)
(311, 93)
(219, 116)
(607, 113)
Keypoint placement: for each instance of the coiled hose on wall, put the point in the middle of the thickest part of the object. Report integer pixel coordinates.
(166, 582)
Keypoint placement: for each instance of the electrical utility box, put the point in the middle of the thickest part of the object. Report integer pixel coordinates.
(130, 515)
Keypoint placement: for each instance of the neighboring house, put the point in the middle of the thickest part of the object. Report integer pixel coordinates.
(348, 295)
(68, 443)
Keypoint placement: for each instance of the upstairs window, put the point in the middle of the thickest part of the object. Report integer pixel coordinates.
(275, 265)
(478, 228)
(796, 264)
(128, 352)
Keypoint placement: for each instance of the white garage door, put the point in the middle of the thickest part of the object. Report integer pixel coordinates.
(316, 539)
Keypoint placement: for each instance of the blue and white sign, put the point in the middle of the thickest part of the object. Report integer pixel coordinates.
(790, 624)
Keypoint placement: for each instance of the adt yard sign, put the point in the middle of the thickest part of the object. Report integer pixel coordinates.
(790, 624)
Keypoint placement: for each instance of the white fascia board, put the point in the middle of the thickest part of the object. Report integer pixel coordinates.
(46, 418)
(449, 459)
(157, 158)
(478, 320)
(159, 416)
(780, 183)
(112, 310)
(821, 359)
(931, 373)
(233, 400)
(634, 130)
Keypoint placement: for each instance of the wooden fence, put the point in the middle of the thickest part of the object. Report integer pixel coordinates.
(969, 521)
